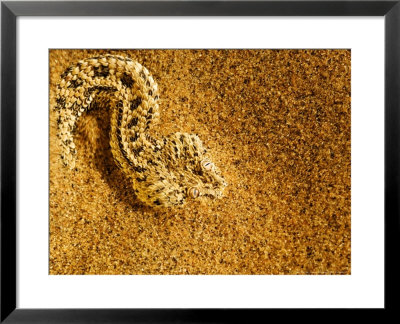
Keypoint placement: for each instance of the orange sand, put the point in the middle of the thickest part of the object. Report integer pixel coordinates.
(278, 124)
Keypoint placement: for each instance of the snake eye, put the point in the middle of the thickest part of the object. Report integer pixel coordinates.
(193, 192)
(207, 165)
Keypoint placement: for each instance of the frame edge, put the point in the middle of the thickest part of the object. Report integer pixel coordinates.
(8, 162)
(203, 8)
(392, 151)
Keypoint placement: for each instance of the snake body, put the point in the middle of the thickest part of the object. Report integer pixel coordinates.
(164, 171)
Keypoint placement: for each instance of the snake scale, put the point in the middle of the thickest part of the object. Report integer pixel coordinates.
(164, 171)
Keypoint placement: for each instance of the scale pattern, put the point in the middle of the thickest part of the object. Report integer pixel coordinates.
(164, 171)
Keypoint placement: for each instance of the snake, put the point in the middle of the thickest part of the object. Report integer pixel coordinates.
(165, 171)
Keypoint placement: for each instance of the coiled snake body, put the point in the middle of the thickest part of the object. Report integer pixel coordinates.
(164, 171)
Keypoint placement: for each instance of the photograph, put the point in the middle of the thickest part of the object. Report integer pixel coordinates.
(199, 161)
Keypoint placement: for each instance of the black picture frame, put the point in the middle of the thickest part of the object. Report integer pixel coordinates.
(10, 10)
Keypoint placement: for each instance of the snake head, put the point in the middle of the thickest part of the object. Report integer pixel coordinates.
(195, 173)
(184, 172)
(206, 181)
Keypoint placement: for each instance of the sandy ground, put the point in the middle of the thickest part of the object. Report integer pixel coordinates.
(278, 125)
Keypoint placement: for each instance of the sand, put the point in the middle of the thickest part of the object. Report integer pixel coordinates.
(278, 125)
